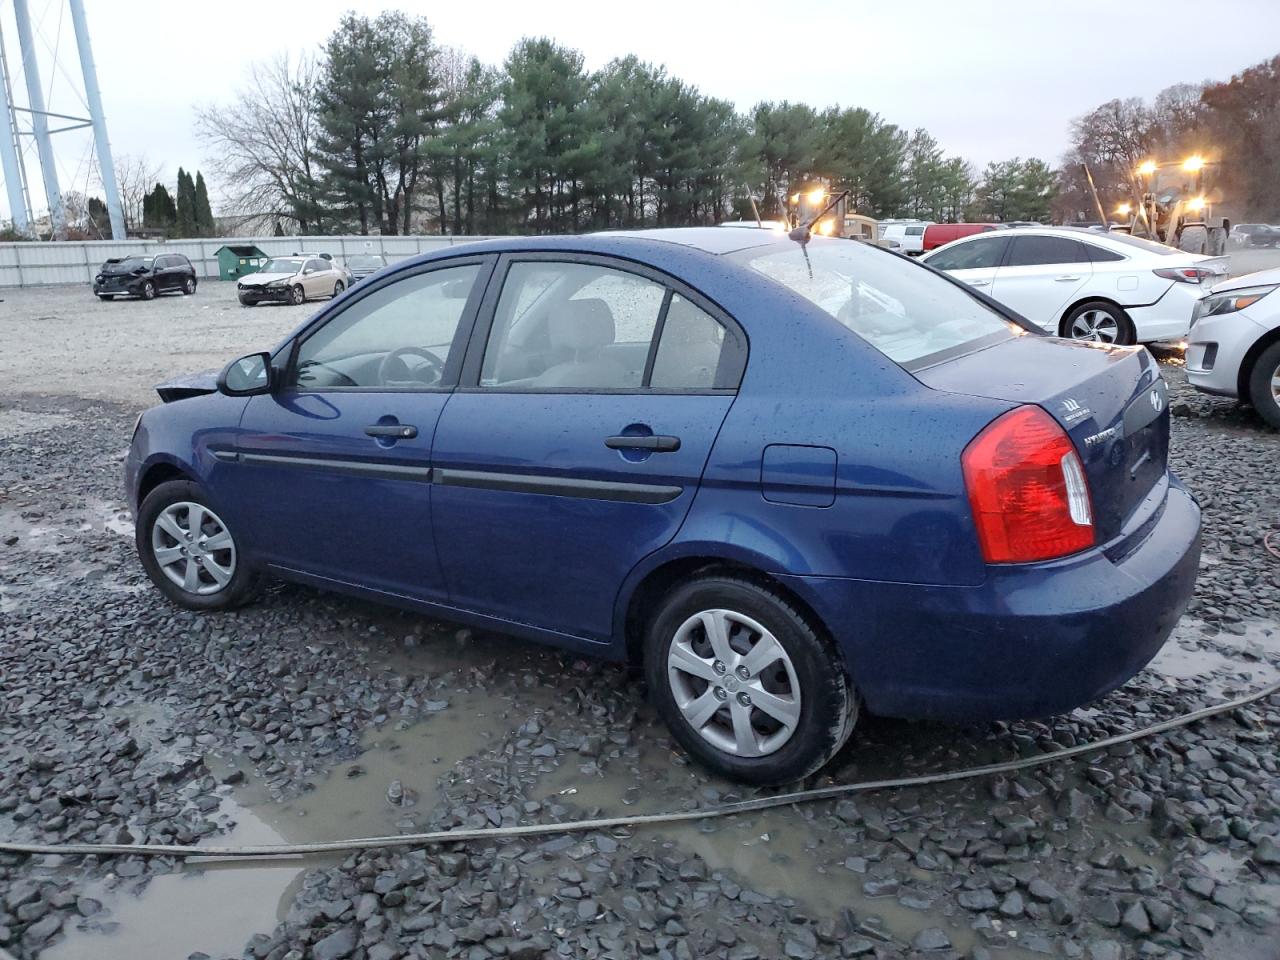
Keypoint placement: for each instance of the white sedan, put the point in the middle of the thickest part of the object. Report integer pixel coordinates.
(1111, 287)
(1233, 349)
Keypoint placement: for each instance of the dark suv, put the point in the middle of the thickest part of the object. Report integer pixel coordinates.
(145, 277)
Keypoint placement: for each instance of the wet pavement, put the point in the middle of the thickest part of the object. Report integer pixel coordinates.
(310, 717)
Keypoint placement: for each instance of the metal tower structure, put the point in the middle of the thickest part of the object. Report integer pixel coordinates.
(11, 132)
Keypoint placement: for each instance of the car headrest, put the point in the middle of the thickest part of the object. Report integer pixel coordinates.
(581, 325)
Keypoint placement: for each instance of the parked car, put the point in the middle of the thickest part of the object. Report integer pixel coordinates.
(794, 482)
(293, 280)
(364, 265)
(145, 277)
(1233, 349)
(937, 234)
(1253, 235)
(1109, 287)
(909, 234)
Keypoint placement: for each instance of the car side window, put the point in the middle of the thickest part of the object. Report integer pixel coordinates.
(1033, 251)
(1099, 255)
(973, 255)
(160, 263)
(689, 349)
(571, 326)
(316, 266)
(398, 336)
(914, 231)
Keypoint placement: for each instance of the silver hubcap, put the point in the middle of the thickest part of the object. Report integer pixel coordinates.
(193, 548)
(734, 683)
(297, 294)
(1096, 325)
(1275, 385)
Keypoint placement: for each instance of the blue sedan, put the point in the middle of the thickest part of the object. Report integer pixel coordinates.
(794, 480)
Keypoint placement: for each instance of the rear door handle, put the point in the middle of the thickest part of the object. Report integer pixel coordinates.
(978, 283)
(1066, 278)
(658, 444)
(397, 431)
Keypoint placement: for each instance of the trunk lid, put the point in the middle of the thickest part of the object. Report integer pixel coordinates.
(1111, 401)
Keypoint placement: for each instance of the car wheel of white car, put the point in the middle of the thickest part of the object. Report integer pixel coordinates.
(1264, 385)
(297, 297)
(1098, 322)
(338, 288)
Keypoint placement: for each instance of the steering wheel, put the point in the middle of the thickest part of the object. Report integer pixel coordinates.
(396, 356)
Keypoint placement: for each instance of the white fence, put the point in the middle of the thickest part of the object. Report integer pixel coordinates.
(76, 261)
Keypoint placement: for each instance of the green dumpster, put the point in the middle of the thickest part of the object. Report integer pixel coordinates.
(236, 260)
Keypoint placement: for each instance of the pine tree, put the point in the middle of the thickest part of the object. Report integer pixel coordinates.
(186, 214)
(204, 213)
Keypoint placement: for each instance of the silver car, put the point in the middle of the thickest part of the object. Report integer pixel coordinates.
(295, 280)
(1233, 349)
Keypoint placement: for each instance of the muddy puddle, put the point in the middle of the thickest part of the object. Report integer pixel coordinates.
(216, 906)
(1221, 663)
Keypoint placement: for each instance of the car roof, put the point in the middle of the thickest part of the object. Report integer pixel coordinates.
(712, 240)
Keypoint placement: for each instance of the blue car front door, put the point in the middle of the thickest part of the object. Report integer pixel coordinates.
(595, 396)
(334, 467)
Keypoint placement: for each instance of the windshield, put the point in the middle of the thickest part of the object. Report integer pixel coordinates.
(365, 263)
(282, 265)
(908, 313)
(133, 263)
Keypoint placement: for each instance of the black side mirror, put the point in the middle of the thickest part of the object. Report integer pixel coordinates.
(247, 376)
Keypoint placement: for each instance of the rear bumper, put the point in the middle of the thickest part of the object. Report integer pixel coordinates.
(1169, 318)
(1031, 641)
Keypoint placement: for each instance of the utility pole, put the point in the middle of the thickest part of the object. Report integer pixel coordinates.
(39, 118)
(106, 168)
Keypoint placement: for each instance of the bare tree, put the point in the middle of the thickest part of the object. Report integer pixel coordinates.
(135, 177)
(262, 147)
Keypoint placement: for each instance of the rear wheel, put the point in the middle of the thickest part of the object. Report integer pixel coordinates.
(297, 297)
(1264, 385)
(338, 288)
(1098, 322)
(148, 290)
(745, 684)
(189, 552)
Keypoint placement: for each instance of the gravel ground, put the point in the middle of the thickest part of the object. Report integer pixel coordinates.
(309, 716)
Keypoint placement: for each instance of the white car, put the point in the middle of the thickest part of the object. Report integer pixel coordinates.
(1233, 349)
(909, 234)
(1109, 287)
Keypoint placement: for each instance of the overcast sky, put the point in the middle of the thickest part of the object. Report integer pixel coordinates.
(988, 79)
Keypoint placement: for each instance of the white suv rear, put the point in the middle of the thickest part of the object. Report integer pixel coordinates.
(1110, 288)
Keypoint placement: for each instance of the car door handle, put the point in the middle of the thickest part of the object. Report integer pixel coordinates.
(397, 431)
(978, 283)
(1065, 278)
(658, 444)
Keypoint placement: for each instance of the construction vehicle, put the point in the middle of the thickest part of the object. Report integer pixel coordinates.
(1173, 204)
(840, 221)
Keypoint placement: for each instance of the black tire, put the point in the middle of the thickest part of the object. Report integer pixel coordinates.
(189, 286)
(244, 581)
(106, 296)
(1266, 370)
(244, 302)
(338, 288)
(828, 703)
(1123, 335)
(148, 290)
(297, 296)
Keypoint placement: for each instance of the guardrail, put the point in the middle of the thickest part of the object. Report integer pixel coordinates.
(76, 261)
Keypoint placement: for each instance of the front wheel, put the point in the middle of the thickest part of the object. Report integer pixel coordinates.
(148, 291)
(1098, 322)
(745, 683)
(189, 286)
(189, 552)
(105, 296)
(297, 297)
(1264, 385)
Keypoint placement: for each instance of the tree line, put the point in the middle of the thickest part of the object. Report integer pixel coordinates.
(1233, 124)
(385, 131)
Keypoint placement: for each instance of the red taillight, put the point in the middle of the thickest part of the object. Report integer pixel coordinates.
(1027, 489)
(1185, 274)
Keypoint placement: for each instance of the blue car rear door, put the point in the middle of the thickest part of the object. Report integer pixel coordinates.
(591, 396)
(334, 465)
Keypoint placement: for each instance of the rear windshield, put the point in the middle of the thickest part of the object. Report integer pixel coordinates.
(907, 312)
(364, 262)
